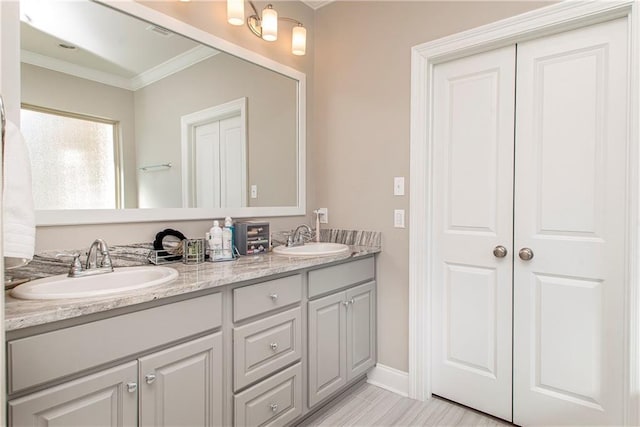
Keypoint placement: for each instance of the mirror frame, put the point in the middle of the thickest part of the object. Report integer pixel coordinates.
(114, 216)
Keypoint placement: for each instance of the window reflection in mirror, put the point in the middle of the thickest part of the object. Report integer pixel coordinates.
(78, 158)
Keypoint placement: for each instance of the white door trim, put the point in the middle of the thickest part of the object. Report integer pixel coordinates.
(555, 18)
(189, 122)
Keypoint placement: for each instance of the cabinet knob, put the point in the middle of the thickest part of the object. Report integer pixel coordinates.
(273, 297)
(274, 407)
(274, 346)
(346, 303)
(132, 387)
(150, 378)
(352, 301)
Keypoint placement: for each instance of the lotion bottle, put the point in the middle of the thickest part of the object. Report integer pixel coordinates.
(216, 241)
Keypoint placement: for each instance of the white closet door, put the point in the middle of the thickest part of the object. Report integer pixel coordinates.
(570, 210)
(473, 172)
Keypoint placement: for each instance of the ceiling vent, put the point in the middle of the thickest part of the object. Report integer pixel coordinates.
(160, 31)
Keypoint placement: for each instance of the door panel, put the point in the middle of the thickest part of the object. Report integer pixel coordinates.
(473, 172)
(233, 167)
(570, 203)
(206, 160)
(327, 346)
(470, 318)
(98, 399)
(186, 389)
(361, 338)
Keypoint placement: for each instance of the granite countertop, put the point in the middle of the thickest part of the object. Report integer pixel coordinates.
(192, 277)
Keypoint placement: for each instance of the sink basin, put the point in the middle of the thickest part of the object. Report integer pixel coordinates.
(312, 249)
(121, 280)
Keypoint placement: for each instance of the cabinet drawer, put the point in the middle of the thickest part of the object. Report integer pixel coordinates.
(329, 279)
(275, 401)
(263, 297)
(265, 346)
(40, 358)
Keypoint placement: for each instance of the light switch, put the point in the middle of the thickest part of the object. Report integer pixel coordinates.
(254, 191)
(398, 186)
(398, 218)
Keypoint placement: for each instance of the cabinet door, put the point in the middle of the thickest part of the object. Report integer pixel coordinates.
(100, 399)
(361, 330)
(182, 386)
(327, 346)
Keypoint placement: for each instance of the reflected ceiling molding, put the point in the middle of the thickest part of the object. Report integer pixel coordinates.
(160, 71)
(175, 64)
(76, 70)
(317, 4)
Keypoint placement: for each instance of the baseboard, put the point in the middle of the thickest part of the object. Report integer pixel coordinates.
(390, 379)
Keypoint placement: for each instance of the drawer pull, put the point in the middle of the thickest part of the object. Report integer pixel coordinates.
(274, 346)
(274, 297)
(150, 378)
(132, 387)
(274, 407)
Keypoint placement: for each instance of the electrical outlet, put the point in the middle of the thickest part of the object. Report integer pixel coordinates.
(398, 218)
(324, 215)
(254, 191)
(398, 186)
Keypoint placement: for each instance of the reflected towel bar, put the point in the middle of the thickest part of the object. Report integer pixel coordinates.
(4, 125)
(164, 165)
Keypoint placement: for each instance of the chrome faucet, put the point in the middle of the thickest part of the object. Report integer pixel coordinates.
(94, 264)
(298, 236)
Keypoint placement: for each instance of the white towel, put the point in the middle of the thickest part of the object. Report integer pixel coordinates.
(18, 221)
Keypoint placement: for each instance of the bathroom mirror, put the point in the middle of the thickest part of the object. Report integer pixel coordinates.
(200, 128)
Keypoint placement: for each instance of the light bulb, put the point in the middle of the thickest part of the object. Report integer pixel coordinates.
(269, 24)
(235, 12)
(299, 40)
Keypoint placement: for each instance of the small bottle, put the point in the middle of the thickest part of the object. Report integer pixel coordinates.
(215, 244)
(228, 223)
(227, 241)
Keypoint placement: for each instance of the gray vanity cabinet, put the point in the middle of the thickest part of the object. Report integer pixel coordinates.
(180, 384)
(107, 398)
(341, 339)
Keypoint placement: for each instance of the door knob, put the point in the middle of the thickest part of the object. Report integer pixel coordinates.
(500, 251)
(525, 254)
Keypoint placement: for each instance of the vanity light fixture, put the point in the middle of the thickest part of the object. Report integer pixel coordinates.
(266, 26)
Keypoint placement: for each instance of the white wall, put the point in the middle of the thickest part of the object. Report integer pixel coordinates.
(362, 107)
